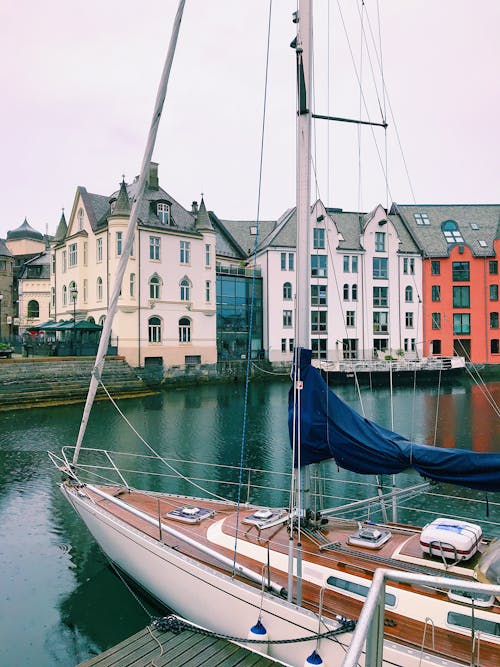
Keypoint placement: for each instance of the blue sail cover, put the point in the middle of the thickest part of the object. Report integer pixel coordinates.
(331, 429)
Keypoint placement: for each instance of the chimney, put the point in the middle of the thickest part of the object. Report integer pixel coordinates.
(194, 208)
(153, 176)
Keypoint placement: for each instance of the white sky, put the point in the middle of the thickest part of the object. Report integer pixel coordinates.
(79, 79)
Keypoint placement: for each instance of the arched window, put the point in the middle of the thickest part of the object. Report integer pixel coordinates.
(346, 292)
(409, 293)
(99, 289)
(102, 319)
(90, 319)
(354, 291)
(33, 308)
(132, 285)
(80, 219)
(184, 330)
(154, 287)
(154, 330)
(287, 291)
(185, 289)
(451, 232)
(64, 295)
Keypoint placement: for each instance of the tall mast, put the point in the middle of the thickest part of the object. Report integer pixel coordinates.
(304, 99)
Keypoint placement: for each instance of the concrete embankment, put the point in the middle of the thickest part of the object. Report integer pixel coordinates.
(44, 381)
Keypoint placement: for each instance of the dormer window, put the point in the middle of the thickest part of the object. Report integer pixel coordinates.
(422, 219)
(451, 232)
(163, 213)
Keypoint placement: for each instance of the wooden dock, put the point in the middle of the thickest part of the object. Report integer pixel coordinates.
(184, 649)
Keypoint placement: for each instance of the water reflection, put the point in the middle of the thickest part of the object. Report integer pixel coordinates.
(60, 603)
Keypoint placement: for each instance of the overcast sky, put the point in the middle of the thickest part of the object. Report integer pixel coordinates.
(79, 79)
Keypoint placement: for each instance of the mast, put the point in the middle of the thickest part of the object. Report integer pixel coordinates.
(129, 237)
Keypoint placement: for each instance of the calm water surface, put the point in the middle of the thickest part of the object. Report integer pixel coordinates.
(60, 602)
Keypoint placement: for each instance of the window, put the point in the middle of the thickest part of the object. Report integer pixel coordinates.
(283, 344)
(409, 320)
(460, 271)
(73, 254)
(119, 242)
(185, 252)
(493, 320)
(436, 293)
(290, 344)
(422, 219)
(85, 253)
(380, 344)
(495, 346)
(283, 261)
(493, 267)
(379, 241)
(461, 323)
(318, 347)
(481, 625)
(99, 289)
(354, 264)
(208, 290)
(318, 295)
(132, 285)
(357, 589)
(409, 265)
(355, 292)
(461, 297)
(482, 243)
(53, 297)
(319, 266)
(435, 347)
(380, 297)
(350, 263)
(154, 247)
(98, 250)
(85, 290)
(80, 219)
(436, 320)
(346, 292)
(409, 294)
(33, 309)
(291, 261)
(287, 291)
(154, 287)
(208, 254)
(318, 321)
(64, 260)
(350, 318)
(154, 330)
(451, 232)
(53, 263)
(474, 225)
(493, 292)
(380, 321)
(350, 348)
(185, 289)
(436, 267)
(380, 267)
(346, 263)
(184, 330)
(163, 213)
(318, 238)
(409, 345)
(287, 318)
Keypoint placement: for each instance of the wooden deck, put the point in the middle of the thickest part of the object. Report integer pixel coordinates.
(186, 649)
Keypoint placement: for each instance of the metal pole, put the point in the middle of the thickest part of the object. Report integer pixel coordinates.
(1, 299)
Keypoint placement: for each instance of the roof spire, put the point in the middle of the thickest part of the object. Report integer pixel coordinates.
(62, 228)
(122, 204)
(203, 222)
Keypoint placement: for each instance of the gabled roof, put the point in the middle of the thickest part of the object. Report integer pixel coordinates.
(36, 268)
(475, 223)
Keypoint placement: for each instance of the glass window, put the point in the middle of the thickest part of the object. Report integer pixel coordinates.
(80, 219)
(349, 348)
(380, 267)
(318, 238)
(208, 255)
(493, 267)
(64, 295)
(99, 250)
(163, 213)
(33, 308)
(283, 344)
(154, 330)
(493, 292)
(319, 266)
(354, 264)
(185, 252)
(436, 267)
(318, 321)
(119, 238)
(409, 345)
(290, 344)
(461, 271)
(85, 253)
(346, 292)
(99, 289)
(291, 261)
(435, 347)
(208, 290)
(154, 247)
(436, 320)
(409, 265)
(184, 330)
(461, 323)
(346, 263)
(287, 291)
(350, 318)
(318, 347)
(283, 261)
(132, 285)
(422, 219)
(461, 297)
(436, 293)
(379, 241)
(185, 289)
(495, 345)
(287, 318)
(380, 321)
(73, 254)
(64, 260)
(357, 589)
(493, 320)
(409, 294)
(318, 295)
(480, 624)
(154, 287)
(409, 320)
(380, 297)
(354, 292)
(451, 232)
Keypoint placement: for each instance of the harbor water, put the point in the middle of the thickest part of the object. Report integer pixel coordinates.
(61, 602)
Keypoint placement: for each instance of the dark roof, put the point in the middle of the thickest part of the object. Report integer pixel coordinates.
(122, 203)
(203, 222)
(24, 231)
(62, 228)
(4, 251)
(36, 268)
(475, 222)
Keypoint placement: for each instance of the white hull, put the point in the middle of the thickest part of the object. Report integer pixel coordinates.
(216, 601)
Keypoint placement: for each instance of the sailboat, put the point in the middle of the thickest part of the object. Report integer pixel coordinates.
(291, 581)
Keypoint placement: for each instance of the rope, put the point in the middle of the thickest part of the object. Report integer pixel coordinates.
(176, 625)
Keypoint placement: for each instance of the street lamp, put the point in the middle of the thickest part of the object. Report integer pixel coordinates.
(1, 299)
(74, 293)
